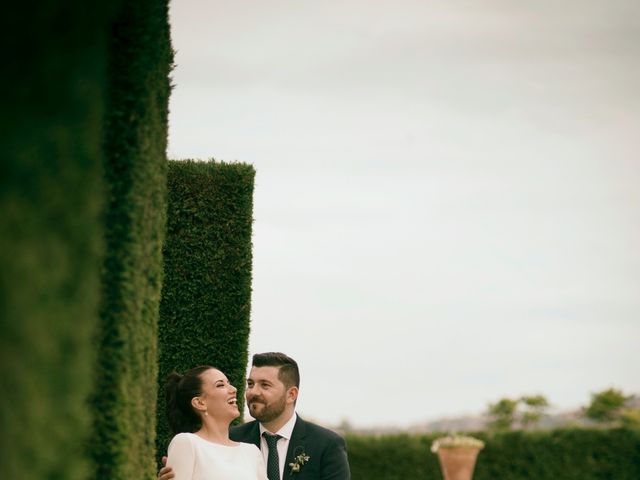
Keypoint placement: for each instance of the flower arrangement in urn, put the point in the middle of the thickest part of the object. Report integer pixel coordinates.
(455, 441)
(457, 455)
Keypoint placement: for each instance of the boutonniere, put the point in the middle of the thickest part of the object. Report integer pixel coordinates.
(299, 460)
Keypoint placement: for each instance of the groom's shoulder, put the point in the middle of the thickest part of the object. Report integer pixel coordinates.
(243, 428)
(320, 431)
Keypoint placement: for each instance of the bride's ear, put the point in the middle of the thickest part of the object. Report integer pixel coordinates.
(199, 404)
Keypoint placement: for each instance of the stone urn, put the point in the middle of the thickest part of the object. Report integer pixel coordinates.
(458, 463)
(457, 455)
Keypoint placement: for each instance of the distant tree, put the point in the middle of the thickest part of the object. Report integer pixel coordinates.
(525, 411)
(606, 406)
(502, 414)
(535, 405)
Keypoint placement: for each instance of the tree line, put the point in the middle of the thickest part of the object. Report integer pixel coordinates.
(608, 408)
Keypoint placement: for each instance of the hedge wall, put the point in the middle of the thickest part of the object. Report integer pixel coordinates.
(206, 296)
(565, 454)
(140, 59)
(52, 89)
(542, 455)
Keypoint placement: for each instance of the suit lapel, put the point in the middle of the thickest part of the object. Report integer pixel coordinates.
(296, 444)
(255, 435)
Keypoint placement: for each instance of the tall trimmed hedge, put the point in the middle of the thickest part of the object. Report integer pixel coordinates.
(52, 88)
(206, 296)
(578, 454)
(140, 58)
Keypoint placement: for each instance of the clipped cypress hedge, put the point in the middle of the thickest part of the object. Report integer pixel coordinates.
(542, 455)
(206, 296)
(140, 58)
(51, 196)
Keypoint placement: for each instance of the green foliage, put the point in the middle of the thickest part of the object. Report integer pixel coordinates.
(392, 457)
(579, 454)
(630, 417)
(140, 59)
(525, 411)
(206, 296)
(502, 414)
(51, 246)
(534, 407)
(535, 401)
(606, 406)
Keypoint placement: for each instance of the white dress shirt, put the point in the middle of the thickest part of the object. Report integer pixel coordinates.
(283, 443)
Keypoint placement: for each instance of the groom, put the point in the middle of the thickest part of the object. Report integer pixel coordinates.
(293, 449)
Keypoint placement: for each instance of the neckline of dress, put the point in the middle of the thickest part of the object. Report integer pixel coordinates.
(209, 442)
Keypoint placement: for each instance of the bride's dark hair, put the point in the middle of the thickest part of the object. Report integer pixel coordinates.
(179, 391)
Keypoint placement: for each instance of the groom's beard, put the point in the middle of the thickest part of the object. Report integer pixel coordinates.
(266, 413)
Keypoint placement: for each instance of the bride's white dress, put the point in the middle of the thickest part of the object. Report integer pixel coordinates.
(194, 458)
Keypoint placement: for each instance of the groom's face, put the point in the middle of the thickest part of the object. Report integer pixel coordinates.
(266, 394)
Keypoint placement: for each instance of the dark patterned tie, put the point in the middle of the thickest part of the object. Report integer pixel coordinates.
(273, 462)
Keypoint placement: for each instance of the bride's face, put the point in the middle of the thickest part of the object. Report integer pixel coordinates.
(218, 395)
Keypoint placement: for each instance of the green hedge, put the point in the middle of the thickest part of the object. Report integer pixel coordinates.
(568, 454)
(391, 457)
(541, 455)
(206, 296)
(51, 195)
(140, 59)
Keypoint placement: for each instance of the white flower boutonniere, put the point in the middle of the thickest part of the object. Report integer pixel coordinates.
(299, 460)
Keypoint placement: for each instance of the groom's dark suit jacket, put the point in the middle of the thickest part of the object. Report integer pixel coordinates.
(327, 450)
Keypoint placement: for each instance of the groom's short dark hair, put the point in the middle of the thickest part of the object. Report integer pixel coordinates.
(288, 372)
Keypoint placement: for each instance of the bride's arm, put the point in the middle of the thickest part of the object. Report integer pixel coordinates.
(182, 458)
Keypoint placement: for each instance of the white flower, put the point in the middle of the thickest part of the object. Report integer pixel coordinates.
(299, 461)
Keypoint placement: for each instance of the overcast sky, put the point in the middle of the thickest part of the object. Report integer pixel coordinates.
(447, 201)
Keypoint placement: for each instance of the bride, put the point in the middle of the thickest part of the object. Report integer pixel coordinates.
(200, 406)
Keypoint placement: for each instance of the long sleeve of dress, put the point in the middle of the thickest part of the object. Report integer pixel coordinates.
(181, 457)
